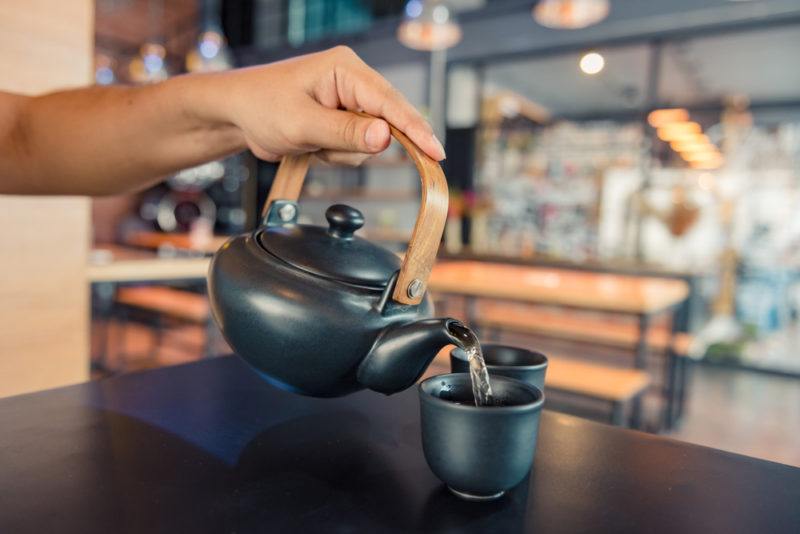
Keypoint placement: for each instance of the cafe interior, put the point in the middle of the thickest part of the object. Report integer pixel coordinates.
(623, 180)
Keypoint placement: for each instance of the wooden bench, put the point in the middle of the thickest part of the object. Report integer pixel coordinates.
(184, 305)
(596, 381)
(612, 385)
(596, 329)
(166, 303)
(585, 328)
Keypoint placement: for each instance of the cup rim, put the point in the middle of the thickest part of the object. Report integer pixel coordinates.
(533, 367)
(531, 406)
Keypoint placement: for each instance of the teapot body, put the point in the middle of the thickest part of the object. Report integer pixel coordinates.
(300, 331)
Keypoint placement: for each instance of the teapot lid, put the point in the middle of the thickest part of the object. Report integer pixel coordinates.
(332, 252)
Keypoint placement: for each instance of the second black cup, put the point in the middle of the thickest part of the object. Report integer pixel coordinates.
(526, 365)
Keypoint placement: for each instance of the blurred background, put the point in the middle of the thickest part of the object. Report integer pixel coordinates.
(632, 167)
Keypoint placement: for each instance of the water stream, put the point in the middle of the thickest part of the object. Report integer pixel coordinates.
(469, 343)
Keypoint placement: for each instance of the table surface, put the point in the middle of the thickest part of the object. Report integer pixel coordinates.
(562, 287)
(113, 263)
(210, 447)
(179, 240)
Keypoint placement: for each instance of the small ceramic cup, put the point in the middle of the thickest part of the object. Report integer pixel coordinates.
(479, 452)
(502, 360)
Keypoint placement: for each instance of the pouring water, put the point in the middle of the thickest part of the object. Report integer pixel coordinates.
(469, 343)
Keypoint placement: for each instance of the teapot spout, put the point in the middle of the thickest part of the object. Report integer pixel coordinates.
(402, 353)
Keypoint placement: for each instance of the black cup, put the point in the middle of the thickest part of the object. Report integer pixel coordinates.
(479, 451)
(501, 360)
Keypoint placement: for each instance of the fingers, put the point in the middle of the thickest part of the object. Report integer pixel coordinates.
(361, 87)
(351, 159)
(337, 130)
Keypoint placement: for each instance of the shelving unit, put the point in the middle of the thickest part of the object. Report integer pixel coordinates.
(549, 181)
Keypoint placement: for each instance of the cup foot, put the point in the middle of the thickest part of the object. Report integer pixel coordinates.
(475, 498)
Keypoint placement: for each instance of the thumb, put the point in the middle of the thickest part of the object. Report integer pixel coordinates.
(334, 129)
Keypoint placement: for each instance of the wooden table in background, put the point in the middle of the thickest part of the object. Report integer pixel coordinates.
(113, 263)
(183, 241)
(629, 294)
(110, 266)
(639, 296)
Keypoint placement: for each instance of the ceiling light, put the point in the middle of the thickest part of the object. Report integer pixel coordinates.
(695, 143)
(661, 117)
(707, 164)
(149, 66)
(679, 131)
(707, 155)
(592, 63)
(211, 53)
(428, 25)
(570, 14)
(104, 69)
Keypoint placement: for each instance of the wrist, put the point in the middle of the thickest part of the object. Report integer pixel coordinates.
(204, 107)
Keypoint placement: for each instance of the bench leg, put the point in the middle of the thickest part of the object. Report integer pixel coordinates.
(617, 414)
(211, 337)
(158, 338)
(640, 362)
(684, 376)
(670, 389)
(491, 335)
(471, 311)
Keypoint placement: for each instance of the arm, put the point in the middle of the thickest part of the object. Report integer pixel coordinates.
(105, 140)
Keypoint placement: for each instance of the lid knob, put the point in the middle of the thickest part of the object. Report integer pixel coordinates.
(343, 220)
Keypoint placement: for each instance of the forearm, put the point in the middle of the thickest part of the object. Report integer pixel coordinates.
(105, 140)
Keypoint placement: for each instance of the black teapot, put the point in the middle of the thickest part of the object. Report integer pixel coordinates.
(323, 312)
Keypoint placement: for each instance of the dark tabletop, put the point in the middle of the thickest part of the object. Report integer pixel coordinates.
(210, 447)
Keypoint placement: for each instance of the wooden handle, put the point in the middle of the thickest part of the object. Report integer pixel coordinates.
(427, 234)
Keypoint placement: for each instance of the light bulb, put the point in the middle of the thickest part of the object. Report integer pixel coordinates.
(661, 117)
(428, 25)
(570, 14)
(592, 62)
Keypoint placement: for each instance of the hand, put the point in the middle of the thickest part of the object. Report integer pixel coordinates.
(105, 140)
(296, 106)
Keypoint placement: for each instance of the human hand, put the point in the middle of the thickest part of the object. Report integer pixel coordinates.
(297, 106)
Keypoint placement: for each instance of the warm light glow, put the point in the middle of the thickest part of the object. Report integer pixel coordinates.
(428, 26)
(706, 155)
(679, 131)
(707, 163)
(705, 181)
(661, 117)
(104, 69)
(210, 55)
(592, 63)
(149, 66)
(695, 143)
(570, 14)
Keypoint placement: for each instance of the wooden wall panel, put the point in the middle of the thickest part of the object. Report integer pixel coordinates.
(44, 299)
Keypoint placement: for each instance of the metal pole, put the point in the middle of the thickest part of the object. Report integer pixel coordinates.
(436, 92)
(645, 164)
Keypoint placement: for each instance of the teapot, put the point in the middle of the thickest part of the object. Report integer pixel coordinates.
(323, 312)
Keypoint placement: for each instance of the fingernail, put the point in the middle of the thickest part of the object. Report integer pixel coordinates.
(376, 135)
(438, 145)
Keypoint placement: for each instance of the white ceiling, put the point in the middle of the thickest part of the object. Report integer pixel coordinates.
(556, 82)
(762, 64)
